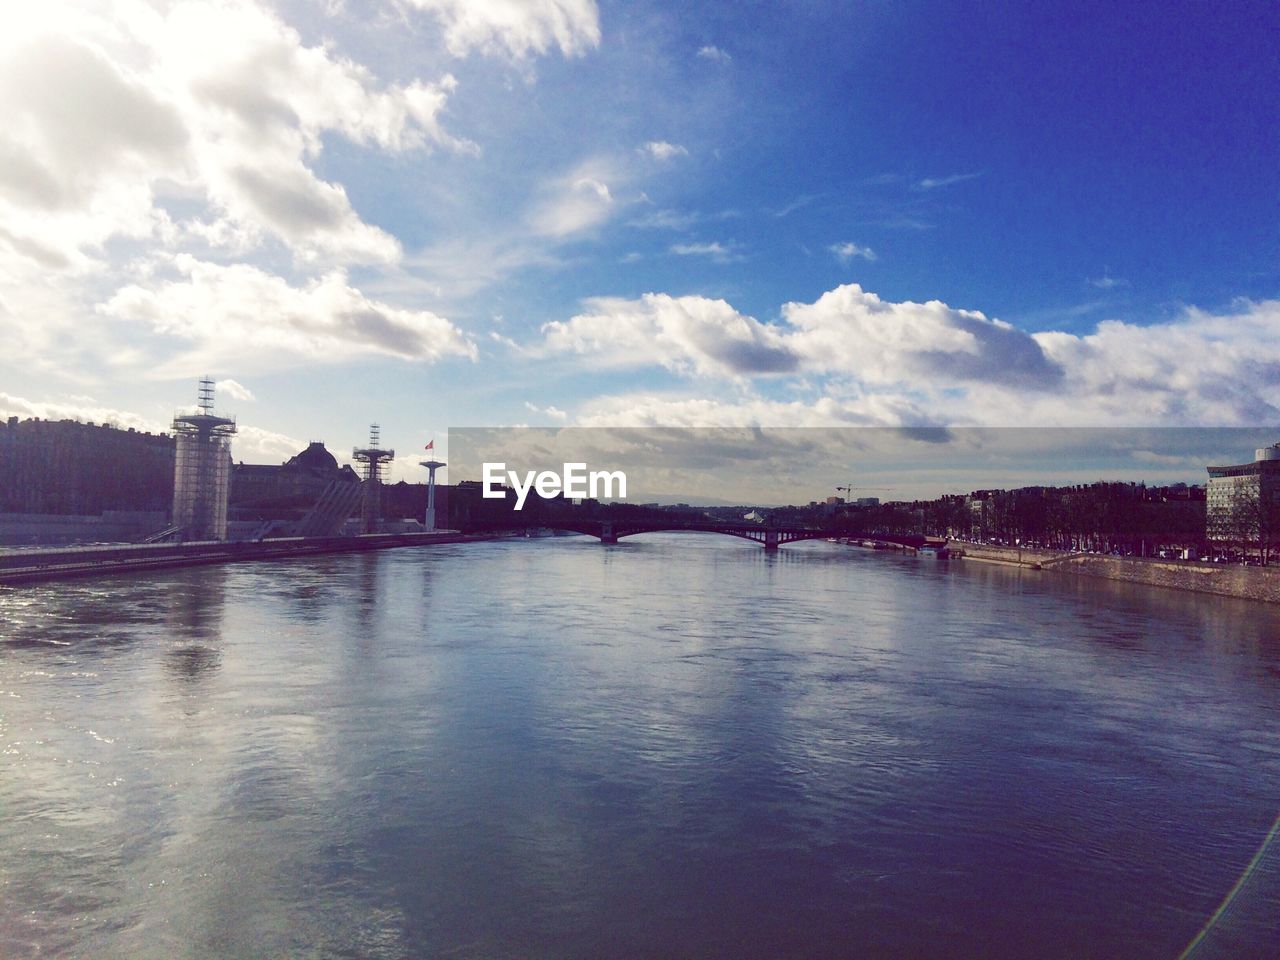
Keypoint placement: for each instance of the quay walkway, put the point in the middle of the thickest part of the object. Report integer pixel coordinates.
(35, 564)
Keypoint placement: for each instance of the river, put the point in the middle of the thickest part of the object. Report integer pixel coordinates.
(679, 746)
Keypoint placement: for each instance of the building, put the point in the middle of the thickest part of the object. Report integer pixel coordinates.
(68, 468)
(63, 481)
(1242, 502)
(296, 482)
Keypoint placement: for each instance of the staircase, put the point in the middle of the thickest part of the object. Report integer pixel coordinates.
(337, 502)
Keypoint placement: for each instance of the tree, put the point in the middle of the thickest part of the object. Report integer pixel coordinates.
(1254, 521)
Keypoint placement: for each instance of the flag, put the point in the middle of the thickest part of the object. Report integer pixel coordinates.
(431, 445)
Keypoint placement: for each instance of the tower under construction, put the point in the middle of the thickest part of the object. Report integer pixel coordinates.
(202, 469)
(373, 457)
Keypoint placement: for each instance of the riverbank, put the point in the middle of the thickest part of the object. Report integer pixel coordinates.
(1220, 579)
(989, 553)
(21, 566)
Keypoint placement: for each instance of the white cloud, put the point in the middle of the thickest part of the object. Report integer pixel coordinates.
(552, 412)
(258, 104)
(846, 332)
(74, 408)
(659, 410)
(516, 28)
(456, 268)
(589, 185)
(685, 334)
(1107, 282)
(115, 109)
(314, 217)
(662, 150)
(853, 332)
(188, 125)
(715, 54)
(1201, 368)
(716, 251)
(933, 183)
(845, 252)
(1167, 459)
(576, 202)
(251, 444)
(235, 390)
(666, 220)
(876, 361)
(799, 203)
(80, 139)
(256, 445)
(243, 316)
(408, 467)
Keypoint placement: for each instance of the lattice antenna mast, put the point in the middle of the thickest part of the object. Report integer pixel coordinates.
(205, 401)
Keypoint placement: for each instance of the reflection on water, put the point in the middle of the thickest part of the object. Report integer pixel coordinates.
(194, 621)
(676, 746)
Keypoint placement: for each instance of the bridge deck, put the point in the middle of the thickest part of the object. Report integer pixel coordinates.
(769, 535)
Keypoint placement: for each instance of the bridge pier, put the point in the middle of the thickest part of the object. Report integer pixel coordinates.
(771, 540)
(607, 533)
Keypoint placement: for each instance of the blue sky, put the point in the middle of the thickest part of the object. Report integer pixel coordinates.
(436, 213)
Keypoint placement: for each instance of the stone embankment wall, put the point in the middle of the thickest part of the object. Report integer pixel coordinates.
(26, 529)
(989, 552)
(1226, 580)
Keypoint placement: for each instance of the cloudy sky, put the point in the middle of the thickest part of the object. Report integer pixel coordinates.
(770, 466)
(436, 213)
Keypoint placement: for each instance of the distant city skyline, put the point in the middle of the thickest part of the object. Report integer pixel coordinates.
(435, 214)
(770, 467)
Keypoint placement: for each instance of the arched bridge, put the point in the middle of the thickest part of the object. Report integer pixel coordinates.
(769, 536)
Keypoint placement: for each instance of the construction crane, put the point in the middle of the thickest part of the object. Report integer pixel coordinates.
(849, 489)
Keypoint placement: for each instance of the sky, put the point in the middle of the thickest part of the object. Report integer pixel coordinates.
(435, 214)
(765, 466)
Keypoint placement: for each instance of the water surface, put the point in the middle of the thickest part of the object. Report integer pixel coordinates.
(679, 746)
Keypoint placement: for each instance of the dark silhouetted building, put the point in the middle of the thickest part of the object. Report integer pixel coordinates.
(72, 468)
(300, 479)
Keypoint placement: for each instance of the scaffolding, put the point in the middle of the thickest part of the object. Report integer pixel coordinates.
(373, 457)
(202, 469)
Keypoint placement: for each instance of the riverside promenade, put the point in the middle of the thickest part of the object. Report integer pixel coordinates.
(1221, 579)
(31, 565)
